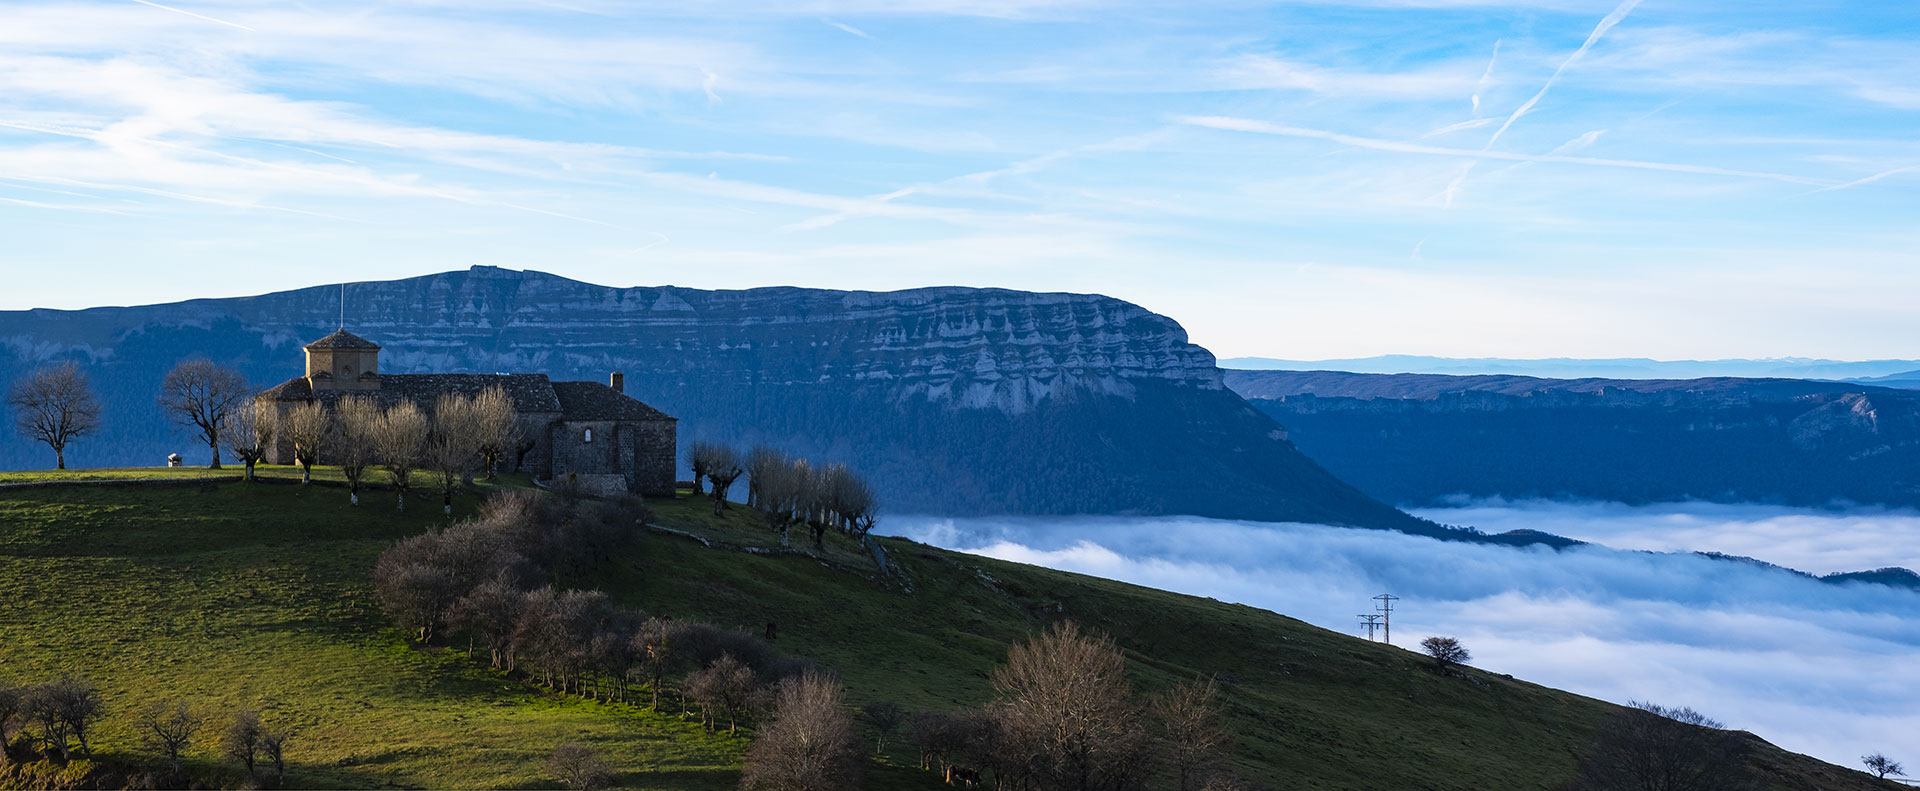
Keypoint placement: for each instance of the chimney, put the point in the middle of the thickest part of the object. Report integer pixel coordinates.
(618, 383)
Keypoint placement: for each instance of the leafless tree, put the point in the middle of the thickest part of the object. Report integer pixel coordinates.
(579, 767)
(242, 739)
(1648, 747)
(762, 461)
(1197, 741)
(11, 700)
(308, 428)
(818, 504)
(1881, 766)
(808, 743)
(401, 438)
(885, 719)
(64, 710)
(782, 494)
(1446, 652)
(168, 727)
(251, 431)
(657, 653)
(497, 427)
(453, 445)
(356, 440)
(721, 688)
(855, 503)
(273, 748)
(1064, 700)
(700, 459)
(55, 405)
(723, 468)
(490, 611)
(203, 395)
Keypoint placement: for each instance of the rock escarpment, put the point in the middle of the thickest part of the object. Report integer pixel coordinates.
(954, 400)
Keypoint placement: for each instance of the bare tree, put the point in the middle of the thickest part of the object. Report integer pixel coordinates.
(53, 406)
(242, 739)
(782, 494)
(1881, 766)
(579, 767)
(1446, 652)
(1648, 747)
(11, 701)
(700, 458)
(855, 503)
(1064, 701)
(307, 428)
(203, 395)
(1197, 741)
(400, 438)
(721, 688)
(356, 440)
(885, 719)
(168, 727)
(251, 431)
(273, 747)
(762, 461)
(723, 468)
(808, 743)
(65, 710)
(453, 445)
(497, 427)
(657, 653)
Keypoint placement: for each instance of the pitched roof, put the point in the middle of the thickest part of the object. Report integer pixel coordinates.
(595, 401)
(341, 339)
(531, 393)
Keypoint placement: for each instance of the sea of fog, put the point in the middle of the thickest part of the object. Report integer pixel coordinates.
(1817, 668)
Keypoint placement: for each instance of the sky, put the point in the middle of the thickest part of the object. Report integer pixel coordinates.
(1804, 664)
(1309, 179)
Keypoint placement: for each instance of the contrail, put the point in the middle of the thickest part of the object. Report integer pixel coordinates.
(1868, 180)
(1486, 77)
(1605, 25)
(195, 16)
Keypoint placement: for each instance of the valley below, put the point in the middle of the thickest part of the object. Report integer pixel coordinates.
(1803, 663)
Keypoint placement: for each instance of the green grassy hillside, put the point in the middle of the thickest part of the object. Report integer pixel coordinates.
(258, 595)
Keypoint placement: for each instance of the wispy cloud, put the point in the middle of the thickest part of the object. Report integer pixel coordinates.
(1619, 13)
(849, 29)
(194, 15)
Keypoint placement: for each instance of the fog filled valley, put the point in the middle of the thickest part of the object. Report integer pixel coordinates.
(1811, 666)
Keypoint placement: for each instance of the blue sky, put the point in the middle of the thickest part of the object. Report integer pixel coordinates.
(1303, 180)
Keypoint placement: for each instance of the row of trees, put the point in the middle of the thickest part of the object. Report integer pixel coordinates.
(788, 492)
(56, 718)
(55, 404)
(461, 434)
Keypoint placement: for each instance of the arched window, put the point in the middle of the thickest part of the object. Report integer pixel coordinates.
(589, 436)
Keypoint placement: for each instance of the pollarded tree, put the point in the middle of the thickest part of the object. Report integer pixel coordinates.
(203, 395)
(401, 438)
(54, 406)
(168, 727)
(453, 445)
(1881, 766)
(853, 499)
(308, 428)
(355, 440)
(497, 427)
(700, 459)
(723, 468)
(1446, 652)
(782, 494)
(1063, 698)
(251, 431)
(808, 743)
(762, 462)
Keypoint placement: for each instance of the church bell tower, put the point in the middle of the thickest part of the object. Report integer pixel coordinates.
(343, 361)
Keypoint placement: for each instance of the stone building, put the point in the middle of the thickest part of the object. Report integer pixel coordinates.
(589, 431)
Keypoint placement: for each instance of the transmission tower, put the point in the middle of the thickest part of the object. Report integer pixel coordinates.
(1386, 601)
(1372, 622)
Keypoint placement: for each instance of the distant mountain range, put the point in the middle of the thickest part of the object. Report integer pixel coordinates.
(1419, 439)
(1888, 372)
(953, 400)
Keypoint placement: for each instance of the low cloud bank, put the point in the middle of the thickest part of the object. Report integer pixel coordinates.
(1820, 542)
(1814, 667)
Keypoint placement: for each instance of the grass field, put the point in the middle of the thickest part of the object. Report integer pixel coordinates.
(257, 595)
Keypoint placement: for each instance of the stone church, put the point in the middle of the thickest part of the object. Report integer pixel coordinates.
(592, 432)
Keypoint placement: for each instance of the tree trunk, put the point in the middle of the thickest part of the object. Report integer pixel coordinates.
(249, 478)
(60, 458)
(306, 472)
(216, 457)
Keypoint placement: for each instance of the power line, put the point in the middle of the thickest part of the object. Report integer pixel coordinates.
(1372, 621)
